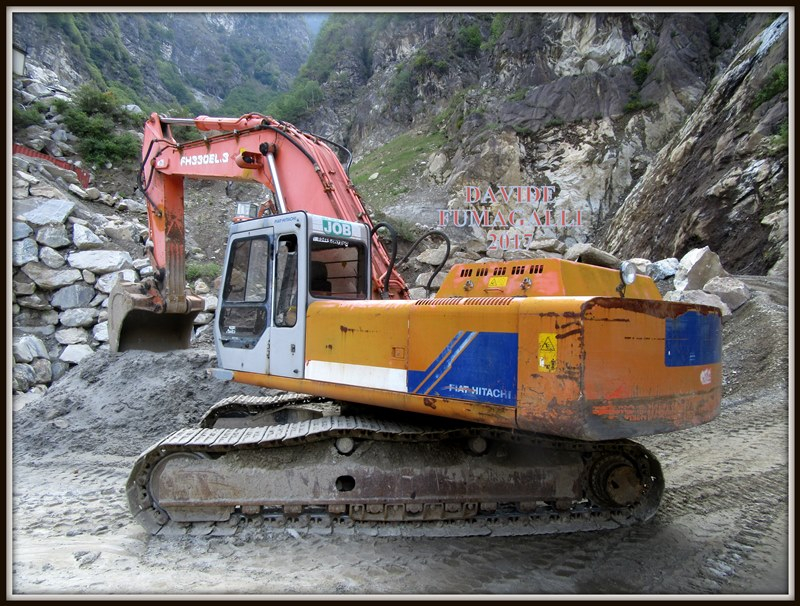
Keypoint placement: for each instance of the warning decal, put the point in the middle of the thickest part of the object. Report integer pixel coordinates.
(548, 351)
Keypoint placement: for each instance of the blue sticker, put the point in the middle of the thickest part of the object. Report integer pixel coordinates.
(693, 339)
(475, 366)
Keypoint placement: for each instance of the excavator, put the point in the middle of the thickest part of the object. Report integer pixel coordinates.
(505, 404)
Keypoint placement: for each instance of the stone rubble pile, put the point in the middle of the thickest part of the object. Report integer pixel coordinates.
(65, 259)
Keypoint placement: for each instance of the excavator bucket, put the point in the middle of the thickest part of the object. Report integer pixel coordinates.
(138, 319)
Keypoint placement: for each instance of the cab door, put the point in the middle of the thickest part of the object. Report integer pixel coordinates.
(289, 296)
(241, 328)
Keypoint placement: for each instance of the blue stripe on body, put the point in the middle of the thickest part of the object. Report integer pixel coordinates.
(693, 339)
(475, 366)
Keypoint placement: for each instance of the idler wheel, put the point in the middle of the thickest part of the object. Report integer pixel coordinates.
(615, 482)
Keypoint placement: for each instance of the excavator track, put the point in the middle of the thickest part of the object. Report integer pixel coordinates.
(355, 474)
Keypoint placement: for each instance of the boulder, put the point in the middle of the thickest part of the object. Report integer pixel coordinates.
(43, 371)
(663, 269)
(697, 267)
(51, 258)
(211, 303)
(586, 253)
(422, 279)
(50, 279)
(28, 178)
(73, 296)
(78, 191)
(49, 212)
(203, 318)
(100, 332)
(92, 193)
(734, 293)
(106, 282)
(433, 256)
(72, 336)
(34, 301)
(132, 205)
(23, 376)
(78, 317)
(54, 236)
(24, 251)
(84, 238)
(548, 245)
(75, 353)
(641, 264)
(21, 287)
(20, 230)
(121, 231)
(100, 261)
(28, 348)
(698, 296)
(200, 288)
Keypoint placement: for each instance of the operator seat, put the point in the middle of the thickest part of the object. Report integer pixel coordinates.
(319, 279)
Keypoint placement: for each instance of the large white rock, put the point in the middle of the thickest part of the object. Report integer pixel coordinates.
(100, 331)
(72, 336)
(75, 353)
(100, 261)
(734, 293)
(105, 283)
(49, 211)
(549, 245)
(78, 317)
(84, 238)
(433, 256)
(697, 267)
(28, 348)
(640, 264)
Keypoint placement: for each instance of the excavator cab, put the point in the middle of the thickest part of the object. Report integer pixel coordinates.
(274, 267)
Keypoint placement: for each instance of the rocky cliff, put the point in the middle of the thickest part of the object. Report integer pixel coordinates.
(675, 124)
(188, 59)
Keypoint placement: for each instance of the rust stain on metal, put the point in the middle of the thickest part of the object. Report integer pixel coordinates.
(564, 335)
(430, 402)
(346, 329)
(658, 309)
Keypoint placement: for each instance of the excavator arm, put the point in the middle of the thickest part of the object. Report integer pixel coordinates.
(300, 172)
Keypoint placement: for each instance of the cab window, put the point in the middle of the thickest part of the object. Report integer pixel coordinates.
(337, 269)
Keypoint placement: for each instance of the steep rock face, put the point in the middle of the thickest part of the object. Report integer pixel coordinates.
(718, 178)
(163, 55)
(590, 104)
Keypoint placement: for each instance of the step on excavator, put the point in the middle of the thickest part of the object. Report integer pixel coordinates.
(503, 405)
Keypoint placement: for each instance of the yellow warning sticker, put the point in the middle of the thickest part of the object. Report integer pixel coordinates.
(548, 351)
(498, 281)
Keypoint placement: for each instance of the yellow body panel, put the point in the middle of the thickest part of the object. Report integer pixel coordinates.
(540, 278)
(584, 367)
